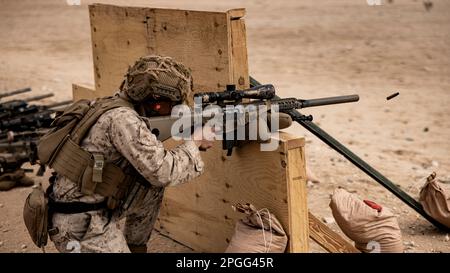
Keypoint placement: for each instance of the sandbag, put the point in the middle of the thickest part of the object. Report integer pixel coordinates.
(436, 200)
(258, 232)
(372, 227)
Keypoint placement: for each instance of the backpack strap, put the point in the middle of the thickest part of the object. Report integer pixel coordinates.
(93, 114)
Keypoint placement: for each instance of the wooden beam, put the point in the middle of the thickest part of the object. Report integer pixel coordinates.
(327, 238)
(297, 197)
(236, 14)
(239, 59)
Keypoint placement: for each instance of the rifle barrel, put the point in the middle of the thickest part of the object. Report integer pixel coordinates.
(330, 100)
(57, 104)
(15, 92)
(40, 97)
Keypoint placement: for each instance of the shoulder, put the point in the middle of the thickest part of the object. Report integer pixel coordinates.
(122, 122)
(121, 112)
(120, 115)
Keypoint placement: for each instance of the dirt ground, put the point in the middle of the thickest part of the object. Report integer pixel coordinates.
(306, 49)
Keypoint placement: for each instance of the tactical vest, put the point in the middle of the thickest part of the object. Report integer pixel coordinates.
(60, 149)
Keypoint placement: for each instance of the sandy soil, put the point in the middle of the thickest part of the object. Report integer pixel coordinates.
(306, 49)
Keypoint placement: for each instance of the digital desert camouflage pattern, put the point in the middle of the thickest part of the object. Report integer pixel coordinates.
(122, 134)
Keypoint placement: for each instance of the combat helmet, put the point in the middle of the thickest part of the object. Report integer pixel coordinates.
(158, 75)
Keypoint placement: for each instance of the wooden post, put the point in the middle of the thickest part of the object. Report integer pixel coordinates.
(327, 238)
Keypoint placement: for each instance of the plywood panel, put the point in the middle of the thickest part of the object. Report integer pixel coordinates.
(119, 37)
(198, 39)
(83, 91)
(199, 213)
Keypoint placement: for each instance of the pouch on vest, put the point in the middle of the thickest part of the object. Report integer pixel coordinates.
(50, 143)
(60, 149)
(35, 216)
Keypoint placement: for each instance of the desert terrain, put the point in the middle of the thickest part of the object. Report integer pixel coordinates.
(307, 49)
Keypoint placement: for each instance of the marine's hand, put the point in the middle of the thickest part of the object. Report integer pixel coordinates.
(204, 137)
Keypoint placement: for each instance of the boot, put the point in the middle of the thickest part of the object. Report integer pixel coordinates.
(137, 248)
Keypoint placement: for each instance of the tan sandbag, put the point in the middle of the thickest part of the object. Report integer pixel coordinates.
(436, 200)
(258, 232)
(374, 229)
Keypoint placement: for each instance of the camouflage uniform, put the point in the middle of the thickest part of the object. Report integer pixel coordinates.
(120, 134)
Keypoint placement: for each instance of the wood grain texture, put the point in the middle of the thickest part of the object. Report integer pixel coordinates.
(237, 13)
(83, 91)
(239, 60)
(297, 198)
(200, 40)
(197, 39)
(119, 37)
(199, 214)
(327, 238)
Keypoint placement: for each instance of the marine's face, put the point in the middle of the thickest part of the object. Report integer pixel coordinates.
(158, 106)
